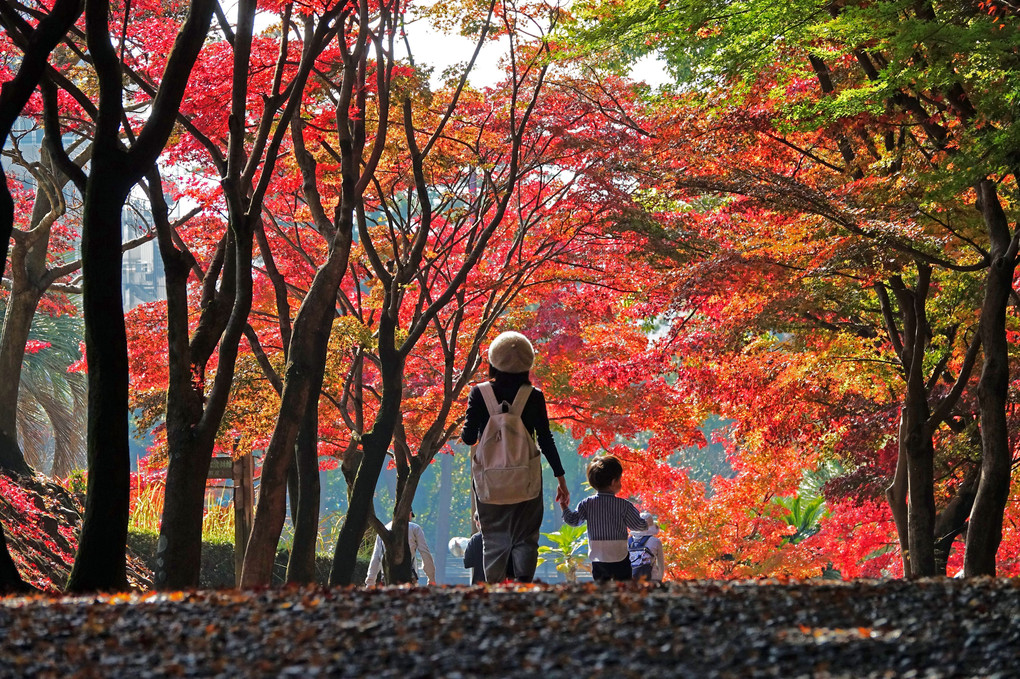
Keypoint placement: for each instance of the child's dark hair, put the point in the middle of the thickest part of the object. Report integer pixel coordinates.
(603, 470)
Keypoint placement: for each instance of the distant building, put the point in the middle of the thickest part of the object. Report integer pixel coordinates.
(143, 278)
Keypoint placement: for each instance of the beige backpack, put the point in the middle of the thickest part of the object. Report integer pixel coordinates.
(505, 466)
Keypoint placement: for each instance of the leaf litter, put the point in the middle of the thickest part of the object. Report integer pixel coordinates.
(929, 628)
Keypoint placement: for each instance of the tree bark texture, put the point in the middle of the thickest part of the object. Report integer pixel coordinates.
(100, 563)
(21, 306)
(301, 567)
(896, 496)
(398, 563)
(305, 364)
(985, 530)
(196, 421)
(101, 560)
(374, 444)
(952, 520)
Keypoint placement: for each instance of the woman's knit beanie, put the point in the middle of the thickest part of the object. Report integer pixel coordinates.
(511, 352)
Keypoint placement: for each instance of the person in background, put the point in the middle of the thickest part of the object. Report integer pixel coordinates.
(608, 518)
(646, 540)
(416, 544)
(510, 531)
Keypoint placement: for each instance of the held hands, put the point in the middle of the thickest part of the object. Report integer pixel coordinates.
(562, 494)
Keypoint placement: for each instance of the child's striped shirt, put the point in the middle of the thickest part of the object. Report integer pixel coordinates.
(608, 518)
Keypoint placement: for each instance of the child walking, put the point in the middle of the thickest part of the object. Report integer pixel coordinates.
(608, 518)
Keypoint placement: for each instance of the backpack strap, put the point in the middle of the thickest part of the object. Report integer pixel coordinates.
(489, 396)
(493, 406)
(641, 542)
(521, 399)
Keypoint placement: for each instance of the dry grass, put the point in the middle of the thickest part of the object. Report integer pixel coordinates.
(147, 494)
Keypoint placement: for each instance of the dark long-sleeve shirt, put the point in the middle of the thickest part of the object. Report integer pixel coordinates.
(534, 416)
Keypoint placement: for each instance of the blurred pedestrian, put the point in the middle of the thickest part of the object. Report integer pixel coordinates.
(416, 544)
(647, 560)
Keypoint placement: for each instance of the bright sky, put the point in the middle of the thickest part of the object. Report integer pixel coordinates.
(443, 50)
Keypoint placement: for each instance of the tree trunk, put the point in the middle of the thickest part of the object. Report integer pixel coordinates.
(29, 279)
(921, 504)
(301, 567)
(12, 460)
(375, 444)
(952, 520)
(293, 485)
(306, 360)
(985, 530)
(101, 560)
(917, 443)
(192, 414)
(178, 551)
(193, 420)
(398, 563)
(100, 563)
(914, 479)
(896, 496)
(21, 306)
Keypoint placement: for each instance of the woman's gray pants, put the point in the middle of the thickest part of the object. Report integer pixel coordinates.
(510, 532)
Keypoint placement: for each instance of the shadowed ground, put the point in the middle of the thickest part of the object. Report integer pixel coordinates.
(937, 628)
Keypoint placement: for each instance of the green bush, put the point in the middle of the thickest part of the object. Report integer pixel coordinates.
(218, 562)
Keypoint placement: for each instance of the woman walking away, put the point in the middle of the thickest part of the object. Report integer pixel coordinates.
(505, 416)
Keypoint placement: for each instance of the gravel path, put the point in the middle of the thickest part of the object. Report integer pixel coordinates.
(938, 628)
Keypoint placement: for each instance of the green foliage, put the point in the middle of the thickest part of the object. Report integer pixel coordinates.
(806, 509)
(218, 561)
(803, 514)
(146, 512)
(77, 482)
(218, 521)
(564, 552)
(330, 523)
(51, 401)
(146, 506)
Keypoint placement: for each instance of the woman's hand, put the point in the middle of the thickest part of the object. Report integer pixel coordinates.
(562, 494)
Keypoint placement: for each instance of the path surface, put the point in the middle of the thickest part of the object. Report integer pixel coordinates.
(943, 628)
